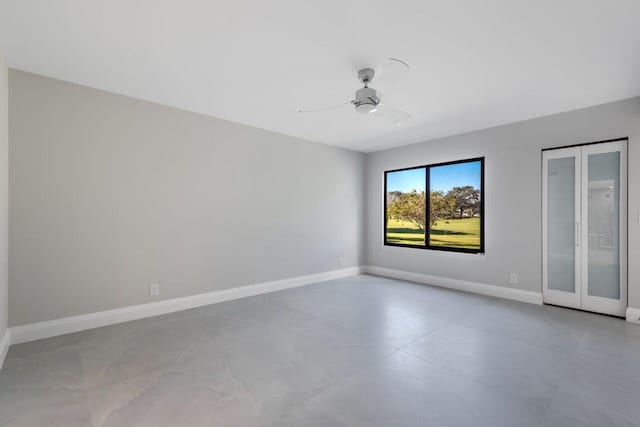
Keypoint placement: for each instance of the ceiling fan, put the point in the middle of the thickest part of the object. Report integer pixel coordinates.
(369, 101)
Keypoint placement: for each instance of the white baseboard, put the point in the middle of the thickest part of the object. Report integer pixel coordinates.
(4, 347)
(52, 328)
(461, 285)
(633, 315)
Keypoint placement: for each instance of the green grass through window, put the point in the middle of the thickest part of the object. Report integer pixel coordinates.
(453, 233)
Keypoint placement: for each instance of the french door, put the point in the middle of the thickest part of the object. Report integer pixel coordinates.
(584, 227)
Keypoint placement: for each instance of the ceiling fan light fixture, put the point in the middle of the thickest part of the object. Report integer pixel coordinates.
(366, 108)
(367, 100)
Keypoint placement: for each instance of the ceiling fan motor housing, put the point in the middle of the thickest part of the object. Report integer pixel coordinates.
(367, 100)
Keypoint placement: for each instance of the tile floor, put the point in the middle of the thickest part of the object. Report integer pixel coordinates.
(359, 351)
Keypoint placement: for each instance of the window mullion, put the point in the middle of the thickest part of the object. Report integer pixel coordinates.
(427, 208)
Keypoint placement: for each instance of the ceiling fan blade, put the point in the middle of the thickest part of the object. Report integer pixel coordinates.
(400, 62)
(391, 114)
(392, 71)
(320, 110)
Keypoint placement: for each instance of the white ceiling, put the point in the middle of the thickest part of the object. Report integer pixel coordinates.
(474, 63)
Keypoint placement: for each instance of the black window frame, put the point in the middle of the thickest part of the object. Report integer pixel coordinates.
(426, 245)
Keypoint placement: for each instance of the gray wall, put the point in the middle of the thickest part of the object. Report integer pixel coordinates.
(512, 194)
(110, 194)
(4, 194)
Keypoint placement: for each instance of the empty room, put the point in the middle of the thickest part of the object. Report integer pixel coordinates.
(320, 213)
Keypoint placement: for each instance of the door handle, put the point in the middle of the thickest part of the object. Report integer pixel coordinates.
(577, 234)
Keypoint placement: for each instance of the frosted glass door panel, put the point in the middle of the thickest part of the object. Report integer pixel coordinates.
(561, 225)
(561, 210)
(604, 225)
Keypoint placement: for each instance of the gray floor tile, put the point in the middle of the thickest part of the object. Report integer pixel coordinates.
(571, 407)
(37, 407)
(533, 324)
(407, 391)
(43, 388)
(610, 383)
(381, 321)
(515, 367)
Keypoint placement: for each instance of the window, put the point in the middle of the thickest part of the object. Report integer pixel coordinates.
(451, 218)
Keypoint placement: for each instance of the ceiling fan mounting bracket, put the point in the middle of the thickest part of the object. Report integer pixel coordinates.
(366, 75)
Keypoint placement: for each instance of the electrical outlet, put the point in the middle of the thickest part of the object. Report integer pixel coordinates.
(513, 279)
(154, 289)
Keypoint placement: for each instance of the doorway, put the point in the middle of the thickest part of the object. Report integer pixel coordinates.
(584, 227)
